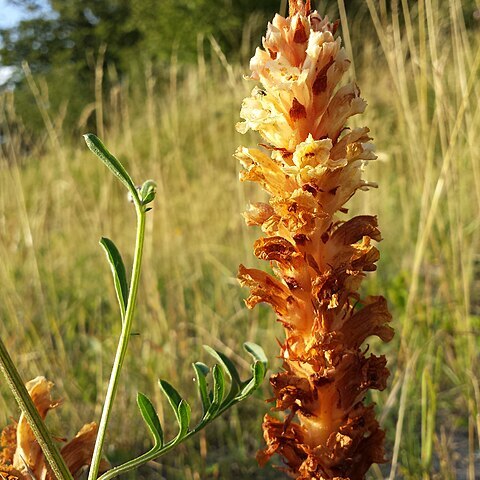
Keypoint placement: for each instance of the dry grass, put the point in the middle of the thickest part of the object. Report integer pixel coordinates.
(419, 74)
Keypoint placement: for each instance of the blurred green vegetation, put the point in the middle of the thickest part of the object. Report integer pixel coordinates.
(66, 41)
(170, 116)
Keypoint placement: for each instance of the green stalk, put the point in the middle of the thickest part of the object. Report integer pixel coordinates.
(154, 453)
(139, 461)
(17, 386)
(122, 343)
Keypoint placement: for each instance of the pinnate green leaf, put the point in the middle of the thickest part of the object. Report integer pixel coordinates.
(214, 403)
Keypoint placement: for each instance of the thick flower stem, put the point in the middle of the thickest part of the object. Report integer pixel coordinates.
(17, 386)
(123, 342)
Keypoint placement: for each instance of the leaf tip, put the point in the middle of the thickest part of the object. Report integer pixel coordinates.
(89, 138)
(256, 351)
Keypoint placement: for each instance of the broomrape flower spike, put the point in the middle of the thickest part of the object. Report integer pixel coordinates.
(311, 165)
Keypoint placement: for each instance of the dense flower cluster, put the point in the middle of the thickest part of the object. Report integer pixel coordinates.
(311, 165)
(21, 457)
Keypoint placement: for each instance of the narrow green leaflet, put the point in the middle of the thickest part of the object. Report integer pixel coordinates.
(259, 371)
(173, 397)
(229, 367)
(218, 391)
(184, 413)
(256, 352)
(101, 151)
(201, 372)
(118, 272)
(150, 416)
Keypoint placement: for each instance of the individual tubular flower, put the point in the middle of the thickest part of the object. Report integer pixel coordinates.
(21, 455)
(310, 166)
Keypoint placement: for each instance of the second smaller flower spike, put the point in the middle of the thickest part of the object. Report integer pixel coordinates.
(21, 455)
(310, 165)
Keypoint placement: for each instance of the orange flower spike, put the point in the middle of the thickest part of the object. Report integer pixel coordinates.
(311, 165)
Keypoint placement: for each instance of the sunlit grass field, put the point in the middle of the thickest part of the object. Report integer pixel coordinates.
(419, 69)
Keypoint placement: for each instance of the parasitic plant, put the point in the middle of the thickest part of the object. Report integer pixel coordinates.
(310, 165)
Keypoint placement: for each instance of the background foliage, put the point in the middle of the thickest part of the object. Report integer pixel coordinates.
(165, 95)
(64, 42)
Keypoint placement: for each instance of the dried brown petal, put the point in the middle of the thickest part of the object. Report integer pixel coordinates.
(285, 440)
(78, 452)
(8, 472)
(372, 319)
(28, 450)
(8, 443)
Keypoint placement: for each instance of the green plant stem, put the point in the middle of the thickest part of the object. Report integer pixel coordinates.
(122, 343)
(139, 461)
(17, 386)
(155, 452)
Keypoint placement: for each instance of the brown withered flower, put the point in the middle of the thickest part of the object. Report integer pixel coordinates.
(21, 456)
(310, 164)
